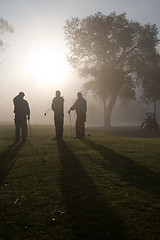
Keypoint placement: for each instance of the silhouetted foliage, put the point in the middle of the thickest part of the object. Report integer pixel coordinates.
(4, 27)
(116, 55)
(151, 85)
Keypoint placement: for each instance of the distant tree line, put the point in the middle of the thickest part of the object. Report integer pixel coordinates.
(117, 56)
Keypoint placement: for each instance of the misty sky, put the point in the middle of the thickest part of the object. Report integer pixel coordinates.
(35, 61)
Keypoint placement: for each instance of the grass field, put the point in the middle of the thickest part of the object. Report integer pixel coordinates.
(101, 188)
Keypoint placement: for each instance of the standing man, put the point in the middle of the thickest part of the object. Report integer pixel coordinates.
(58, 108)
(22, 113)
(80, 106)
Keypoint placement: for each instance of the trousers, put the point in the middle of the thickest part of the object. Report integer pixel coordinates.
(58, 120)
(21, 124)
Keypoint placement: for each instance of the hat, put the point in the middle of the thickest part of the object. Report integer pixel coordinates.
(21, 94)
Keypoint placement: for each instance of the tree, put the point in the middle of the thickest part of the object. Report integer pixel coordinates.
(113, 53)
(151, 86)
(4, 27)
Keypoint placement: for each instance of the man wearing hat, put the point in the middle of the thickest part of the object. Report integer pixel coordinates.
(22, 113)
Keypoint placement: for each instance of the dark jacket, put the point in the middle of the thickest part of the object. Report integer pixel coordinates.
(57, 105)
(21, 107)
(80, 106)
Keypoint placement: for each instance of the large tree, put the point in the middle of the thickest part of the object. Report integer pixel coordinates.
(114, 53)
(151, 87)
(4, 27)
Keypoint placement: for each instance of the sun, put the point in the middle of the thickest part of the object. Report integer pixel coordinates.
(48, 65)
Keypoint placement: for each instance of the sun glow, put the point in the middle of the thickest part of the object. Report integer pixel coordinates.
(48, 65)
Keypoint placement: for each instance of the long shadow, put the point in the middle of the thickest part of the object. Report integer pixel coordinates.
(126, 168)
(91, 217)
(8, 158)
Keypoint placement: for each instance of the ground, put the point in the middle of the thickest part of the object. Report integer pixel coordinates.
(130, 132)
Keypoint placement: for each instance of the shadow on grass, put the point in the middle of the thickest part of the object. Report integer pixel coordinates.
(7, 159)
(90, 216)
(127, 169)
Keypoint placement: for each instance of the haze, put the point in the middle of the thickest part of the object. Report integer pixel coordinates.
(35, 61)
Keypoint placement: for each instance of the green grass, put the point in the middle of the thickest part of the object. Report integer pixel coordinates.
(100, 188)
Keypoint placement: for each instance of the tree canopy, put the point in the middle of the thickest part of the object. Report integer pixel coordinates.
(4, 27)
(115, 54)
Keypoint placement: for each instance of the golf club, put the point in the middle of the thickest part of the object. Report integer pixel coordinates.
(47, 112)
(34, 147)
(30, 129)
(70, 123)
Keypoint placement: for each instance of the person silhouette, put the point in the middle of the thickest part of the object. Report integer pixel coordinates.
(22, 113)
(80, 106)
(58, 108)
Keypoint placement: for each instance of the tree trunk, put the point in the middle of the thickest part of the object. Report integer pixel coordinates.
(107, 122)
(104, 109)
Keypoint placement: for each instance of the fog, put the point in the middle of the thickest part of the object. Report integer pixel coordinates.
(25, 62)
(40, 98)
